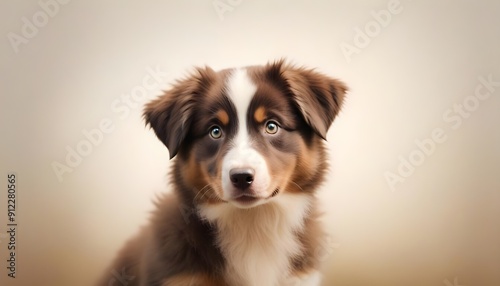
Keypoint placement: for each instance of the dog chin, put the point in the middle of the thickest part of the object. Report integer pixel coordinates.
(246, 201)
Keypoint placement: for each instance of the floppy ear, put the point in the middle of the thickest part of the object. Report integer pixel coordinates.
(318, 97)
(171, 114)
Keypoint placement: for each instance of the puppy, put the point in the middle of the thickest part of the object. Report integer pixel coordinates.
(249, 157)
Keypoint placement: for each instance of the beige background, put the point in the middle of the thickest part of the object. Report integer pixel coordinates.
(441, 226)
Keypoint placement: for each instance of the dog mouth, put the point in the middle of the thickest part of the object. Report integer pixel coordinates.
(246, 199)
(249, 199)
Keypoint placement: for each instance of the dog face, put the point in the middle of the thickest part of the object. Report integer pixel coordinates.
(244, 136)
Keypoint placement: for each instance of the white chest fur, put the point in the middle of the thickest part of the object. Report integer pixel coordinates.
(259, 242)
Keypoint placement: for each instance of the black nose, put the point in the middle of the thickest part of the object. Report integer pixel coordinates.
(241, 178)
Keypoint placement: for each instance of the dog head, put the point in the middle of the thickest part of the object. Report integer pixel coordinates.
(244, 136)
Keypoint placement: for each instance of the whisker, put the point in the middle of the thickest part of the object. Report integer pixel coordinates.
(217, 190)
(202, 191)
(298, 186)
(290, 181)
(206, 189)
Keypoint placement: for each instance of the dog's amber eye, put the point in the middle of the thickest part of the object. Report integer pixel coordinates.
(216, 132)
(271, 127)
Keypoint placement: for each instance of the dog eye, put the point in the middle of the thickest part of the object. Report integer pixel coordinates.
(216, 132)
(271, 127)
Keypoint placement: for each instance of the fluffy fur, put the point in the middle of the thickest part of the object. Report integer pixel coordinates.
(249, 157)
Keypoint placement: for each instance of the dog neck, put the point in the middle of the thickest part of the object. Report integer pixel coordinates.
(259, 243)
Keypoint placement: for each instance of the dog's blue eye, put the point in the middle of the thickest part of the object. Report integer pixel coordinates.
(216, 132)
(271, 127)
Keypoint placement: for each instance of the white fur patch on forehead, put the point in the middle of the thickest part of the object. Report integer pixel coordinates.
(241, 90)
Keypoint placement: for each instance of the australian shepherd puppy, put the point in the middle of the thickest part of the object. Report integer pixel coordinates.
(249, 157)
